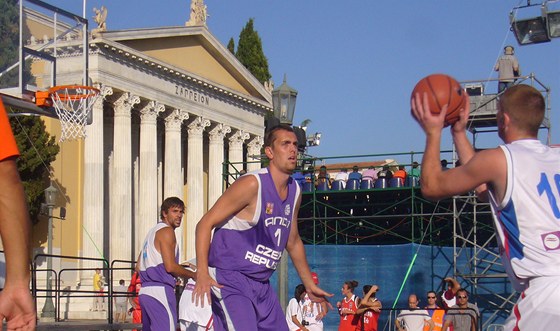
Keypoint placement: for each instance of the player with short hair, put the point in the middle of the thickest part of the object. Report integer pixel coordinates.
(521, 179)
(158, 266)
(254, 220)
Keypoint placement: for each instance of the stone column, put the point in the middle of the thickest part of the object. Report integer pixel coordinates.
(215, 162)
(195, 193)
(173, 174)
(93, 211)
(147, 201)
(253, 153)
(236, 153)
(121, 197)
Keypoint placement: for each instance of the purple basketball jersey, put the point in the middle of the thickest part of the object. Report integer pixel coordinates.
(254, 247)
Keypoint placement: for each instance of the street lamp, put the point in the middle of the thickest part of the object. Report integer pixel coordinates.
(50, 198)
(284, 103)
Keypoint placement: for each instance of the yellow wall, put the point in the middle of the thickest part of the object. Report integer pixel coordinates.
(187, 53)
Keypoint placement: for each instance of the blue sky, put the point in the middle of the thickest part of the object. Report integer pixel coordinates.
(355, 63)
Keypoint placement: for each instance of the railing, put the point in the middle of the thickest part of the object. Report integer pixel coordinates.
(60, 291)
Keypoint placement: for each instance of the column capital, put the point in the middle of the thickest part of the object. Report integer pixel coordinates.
(104, 90)
(238, 137)
(197, 126)
(219, 132)
(256, 143)
(124, 103)
(174, 120)
(150, 111)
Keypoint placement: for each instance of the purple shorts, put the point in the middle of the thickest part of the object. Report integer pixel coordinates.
(159, 308)
(245, 304)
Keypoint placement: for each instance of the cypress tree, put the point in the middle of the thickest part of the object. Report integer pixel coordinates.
(250, 53)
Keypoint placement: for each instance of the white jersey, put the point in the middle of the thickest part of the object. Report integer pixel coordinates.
(527, 220)
(152, 269)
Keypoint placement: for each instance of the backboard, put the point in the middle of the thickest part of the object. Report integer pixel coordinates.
(49, 47)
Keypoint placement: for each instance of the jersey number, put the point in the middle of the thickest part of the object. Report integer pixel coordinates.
(544, 186)
(278, 234)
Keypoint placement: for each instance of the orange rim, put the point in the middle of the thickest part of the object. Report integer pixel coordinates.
(92, 91)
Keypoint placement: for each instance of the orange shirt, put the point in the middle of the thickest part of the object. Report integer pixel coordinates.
(8, 145)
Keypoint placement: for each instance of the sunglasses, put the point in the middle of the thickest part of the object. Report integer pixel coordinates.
(462, 296)
(431, 297)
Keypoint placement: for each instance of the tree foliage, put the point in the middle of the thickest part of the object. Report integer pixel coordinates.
(231, 46)
(9, 42)
(37, 150)
(250, 53)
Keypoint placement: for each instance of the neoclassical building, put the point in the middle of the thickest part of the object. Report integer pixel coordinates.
(175, 104)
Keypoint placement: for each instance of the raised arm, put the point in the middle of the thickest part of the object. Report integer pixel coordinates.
(488, 166)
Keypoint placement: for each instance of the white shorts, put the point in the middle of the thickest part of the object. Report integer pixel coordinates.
(538, 307)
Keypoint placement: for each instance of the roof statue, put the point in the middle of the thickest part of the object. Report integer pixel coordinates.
(199, 13)
(269, 85)
(100, 18)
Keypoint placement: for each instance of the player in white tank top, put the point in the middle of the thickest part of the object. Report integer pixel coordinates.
(522, 181)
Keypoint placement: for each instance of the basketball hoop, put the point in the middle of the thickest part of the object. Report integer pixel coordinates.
(73, 104)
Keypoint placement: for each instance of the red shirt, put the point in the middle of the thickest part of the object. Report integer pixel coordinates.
(348, 322)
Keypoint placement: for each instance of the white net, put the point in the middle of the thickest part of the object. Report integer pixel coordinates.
(73, 105)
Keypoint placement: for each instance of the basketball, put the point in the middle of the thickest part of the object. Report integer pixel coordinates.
(442, 90)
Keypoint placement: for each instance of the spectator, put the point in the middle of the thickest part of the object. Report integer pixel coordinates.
(436, 313)
(120, 299)
(369, 174)
(294, 311)
(342, 177)
(385, 173)
(415, 171)
(133, 290)
(298, 176)
(310, 175)
(355, 174)
(98, 289)
(508, 69)
(323, 177)
(414, 318)
(348, 307)
(444, 164)
(448, 296)
(464, 315)
(313, 312)
(369, 309)
(401, 173)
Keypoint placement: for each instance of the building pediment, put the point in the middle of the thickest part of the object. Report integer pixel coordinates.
(194, 50)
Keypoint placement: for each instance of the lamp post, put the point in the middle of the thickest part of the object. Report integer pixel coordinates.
(50, 199)
(284, 105)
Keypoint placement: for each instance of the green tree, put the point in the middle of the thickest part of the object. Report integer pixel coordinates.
(37, 150)
(250, 53)
(231, 46)
(9, 42)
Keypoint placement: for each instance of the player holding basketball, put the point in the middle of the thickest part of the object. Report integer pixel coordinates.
(521, 179)
(255, 219)
(16, 303)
